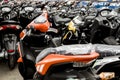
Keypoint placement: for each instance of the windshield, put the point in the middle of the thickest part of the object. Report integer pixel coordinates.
(40, 19)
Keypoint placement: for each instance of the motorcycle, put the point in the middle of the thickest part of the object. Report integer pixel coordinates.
(72, 34)
(59, 22)
(27, 13)
(78, 29)
(108, 60)
(105, 28)
(34, 38)
(9, 32)
(78, 61)
(66, 63)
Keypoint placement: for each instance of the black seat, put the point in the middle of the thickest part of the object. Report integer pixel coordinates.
(9, 22)
(107, 50)
(60, 20)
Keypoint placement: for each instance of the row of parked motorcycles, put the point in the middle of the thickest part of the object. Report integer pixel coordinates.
(60, 41)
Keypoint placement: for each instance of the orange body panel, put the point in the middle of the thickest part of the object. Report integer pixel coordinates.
(20, 58)
(22, 34)
(43, 27)
(57, 58)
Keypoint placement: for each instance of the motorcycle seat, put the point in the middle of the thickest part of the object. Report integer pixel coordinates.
(9, 22)
(90, 17)
(60, 20)
(81, 49)
(77, 49)
(107, 50)
(44, 53)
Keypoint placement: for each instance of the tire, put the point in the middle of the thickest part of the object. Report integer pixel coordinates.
(26, 70)
(37, 76)
(12, 61)
(21, 69)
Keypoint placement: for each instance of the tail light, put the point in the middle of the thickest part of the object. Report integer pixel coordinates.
(10, 51)
(15, 27)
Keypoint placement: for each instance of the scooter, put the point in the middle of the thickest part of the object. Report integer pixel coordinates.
(65, 63)
(78, 61)
(78, 30)
(108, 61)
(27, 13)
(9, 32)
(34, 38)
(105, 28)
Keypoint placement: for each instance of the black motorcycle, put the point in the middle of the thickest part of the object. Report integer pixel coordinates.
(9, 34)
(27, 13)
(105, 28)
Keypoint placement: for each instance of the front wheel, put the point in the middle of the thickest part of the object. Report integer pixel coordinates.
(26, 69)
(12, 61)
(37, 76)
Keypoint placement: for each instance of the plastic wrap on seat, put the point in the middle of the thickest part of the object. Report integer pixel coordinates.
(44, 53)
(76, 49)
(81, 49)
(107, 50)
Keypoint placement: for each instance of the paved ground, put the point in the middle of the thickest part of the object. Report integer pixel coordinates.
(6, 74)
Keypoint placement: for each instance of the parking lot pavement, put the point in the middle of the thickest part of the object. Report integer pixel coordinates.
(6, 74)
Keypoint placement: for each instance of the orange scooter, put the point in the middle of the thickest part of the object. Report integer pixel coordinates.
(69, 62)
(33, 39)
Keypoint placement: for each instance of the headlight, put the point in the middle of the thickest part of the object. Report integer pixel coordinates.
(40, 19)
